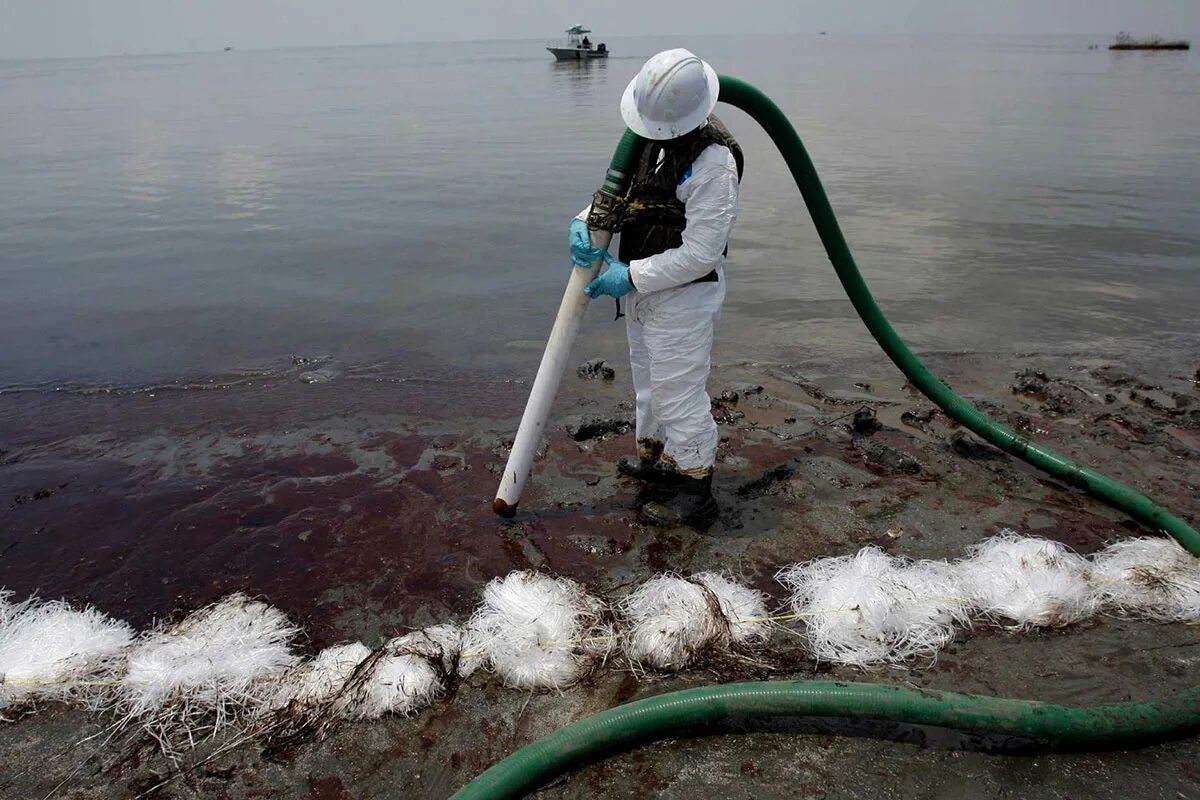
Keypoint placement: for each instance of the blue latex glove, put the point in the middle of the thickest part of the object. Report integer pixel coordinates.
(582, 252)
(614, 281)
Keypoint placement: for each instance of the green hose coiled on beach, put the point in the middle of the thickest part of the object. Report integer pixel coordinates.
(679, 712)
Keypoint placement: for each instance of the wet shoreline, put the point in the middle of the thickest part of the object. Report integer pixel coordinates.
(363, 524)
(141, 495)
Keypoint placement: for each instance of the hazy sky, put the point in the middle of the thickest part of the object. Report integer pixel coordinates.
(34, 28)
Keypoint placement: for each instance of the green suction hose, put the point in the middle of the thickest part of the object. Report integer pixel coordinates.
(744, 96)
(676, 712)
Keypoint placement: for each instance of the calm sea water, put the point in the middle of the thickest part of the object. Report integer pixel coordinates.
(180, 216)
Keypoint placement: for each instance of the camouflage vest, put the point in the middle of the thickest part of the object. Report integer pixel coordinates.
(654, 218)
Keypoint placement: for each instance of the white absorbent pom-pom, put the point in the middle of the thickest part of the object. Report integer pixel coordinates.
(869, 608)
(225, 659)
(536, 632)
(1148, 577)
(673, 623)
(1026, 581)
(743, 607)
(48, 650)
(319, 681)
(408, 674)
(400, 683)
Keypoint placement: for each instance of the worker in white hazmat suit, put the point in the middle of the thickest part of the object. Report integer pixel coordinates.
(681, 207)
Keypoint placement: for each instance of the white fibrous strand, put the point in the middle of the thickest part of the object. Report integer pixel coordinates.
(672, 623)
(7, 607)
(1026, 582)
(536, 632)
(1150, 578)
(871, 609)
(53, 651)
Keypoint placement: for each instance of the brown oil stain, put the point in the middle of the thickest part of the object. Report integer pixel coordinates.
(329, 787)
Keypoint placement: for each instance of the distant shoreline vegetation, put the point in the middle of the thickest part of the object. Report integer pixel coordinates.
(1125, 41)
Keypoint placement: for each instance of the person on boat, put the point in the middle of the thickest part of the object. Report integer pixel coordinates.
(587, 45)
(681, 207)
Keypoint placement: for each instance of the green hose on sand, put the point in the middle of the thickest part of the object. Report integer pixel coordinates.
(680, 712)
(1104, 726)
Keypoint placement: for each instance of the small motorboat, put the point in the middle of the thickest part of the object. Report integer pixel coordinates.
(1125, 41)
(577, 47)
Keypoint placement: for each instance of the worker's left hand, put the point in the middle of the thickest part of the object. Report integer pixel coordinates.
(614, 282)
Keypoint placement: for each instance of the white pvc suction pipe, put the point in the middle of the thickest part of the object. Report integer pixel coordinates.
(545, 385)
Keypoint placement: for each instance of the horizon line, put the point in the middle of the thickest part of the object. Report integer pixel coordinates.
(393, 43)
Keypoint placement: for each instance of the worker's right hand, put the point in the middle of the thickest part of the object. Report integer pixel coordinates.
(582, 251)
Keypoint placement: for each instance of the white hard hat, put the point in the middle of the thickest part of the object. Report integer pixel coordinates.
(673, 94)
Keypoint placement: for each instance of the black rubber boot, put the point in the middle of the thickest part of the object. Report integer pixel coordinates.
(653, 471)
(692, 504)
